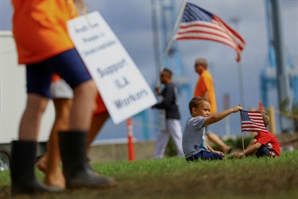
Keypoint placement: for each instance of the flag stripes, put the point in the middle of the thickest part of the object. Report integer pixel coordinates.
(252, 121)
(199, 24)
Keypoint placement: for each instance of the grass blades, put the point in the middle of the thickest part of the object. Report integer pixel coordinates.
(249, 177)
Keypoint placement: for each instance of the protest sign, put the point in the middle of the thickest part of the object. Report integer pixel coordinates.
(123, 88)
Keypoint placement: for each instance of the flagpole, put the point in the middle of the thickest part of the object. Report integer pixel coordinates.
(242, 133)
(171, 38)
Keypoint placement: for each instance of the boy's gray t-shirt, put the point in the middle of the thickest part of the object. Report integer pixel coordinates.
(194, 138)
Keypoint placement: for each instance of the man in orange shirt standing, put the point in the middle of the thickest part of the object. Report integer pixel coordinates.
(205, 88)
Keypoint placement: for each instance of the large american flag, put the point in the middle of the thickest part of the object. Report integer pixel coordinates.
(197, 23)
(252, 121)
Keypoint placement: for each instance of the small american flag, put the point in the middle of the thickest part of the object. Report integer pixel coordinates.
(197, 23)
(252, 121)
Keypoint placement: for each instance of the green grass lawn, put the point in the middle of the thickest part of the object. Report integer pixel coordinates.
(175, 178)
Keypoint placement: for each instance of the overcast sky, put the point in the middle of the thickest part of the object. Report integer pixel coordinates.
(132, 23)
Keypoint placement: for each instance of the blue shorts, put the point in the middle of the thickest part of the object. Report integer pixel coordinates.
(67, 65)
(205, 155)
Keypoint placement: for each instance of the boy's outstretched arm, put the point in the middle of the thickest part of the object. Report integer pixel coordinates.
(219, 116)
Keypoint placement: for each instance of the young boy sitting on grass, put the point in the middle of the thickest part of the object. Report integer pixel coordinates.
(263, 144)
(194, 139)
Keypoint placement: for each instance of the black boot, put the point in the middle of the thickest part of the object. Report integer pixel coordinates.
(22, 168)
(76, 169)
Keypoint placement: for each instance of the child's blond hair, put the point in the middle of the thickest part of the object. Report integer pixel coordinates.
(265, 118)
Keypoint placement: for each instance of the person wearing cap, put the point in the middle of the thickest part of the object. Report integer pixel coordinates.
(205, 88)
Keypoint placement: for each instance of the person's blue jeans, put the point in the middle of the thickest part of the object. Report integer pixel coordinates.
(205, 155)
(263, 151)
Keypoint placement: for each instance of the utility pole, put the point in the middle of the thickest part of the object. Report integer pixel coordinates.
(282, 77)
(155, 36)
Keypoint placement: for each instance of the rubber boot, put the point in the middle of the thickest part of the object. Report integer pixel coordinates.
(76, 169)
(23, 180)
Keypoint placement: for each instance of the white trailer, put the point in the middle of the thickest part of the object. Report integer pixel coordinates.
(13, 99)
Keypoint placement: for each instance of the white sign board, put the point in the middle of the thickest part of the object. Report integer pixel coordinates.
(124, 90)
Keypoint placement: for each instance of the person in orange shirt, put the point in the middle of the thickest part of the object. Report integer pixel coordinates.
(44, 46)
(205, 88)
(62, 95)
